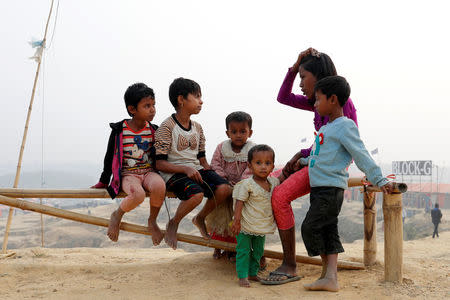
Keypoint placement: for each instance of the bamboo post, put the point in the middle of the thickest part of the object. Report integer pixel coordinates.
(22, 147)
(370, 229)
(393, 237)
(64, 214)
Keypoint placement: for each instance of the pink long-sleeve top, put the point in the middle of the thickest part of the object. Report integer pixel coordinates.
(285, 96)
(231, 165)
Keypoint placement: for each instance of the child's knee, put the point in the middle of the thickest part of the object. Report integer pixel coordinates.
(196, 199)
(224, 190)
(158, 186)
(138, 196)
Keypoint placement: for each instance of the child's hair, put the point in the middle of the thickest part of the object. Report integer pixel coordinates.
(334, 85)
(182, 86)
(320, 67)
(135, 93)
(436, 205)
(259, 148)
(238, 116)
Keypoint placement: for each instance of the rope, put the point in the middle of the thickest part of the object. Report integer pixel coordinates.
(42, 143)
(54, 26)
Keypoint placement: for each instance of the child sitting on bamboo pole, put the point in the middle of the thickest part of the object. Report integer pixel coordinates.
(180, 157)
(230, 161)
(130, 160)
(336, 144)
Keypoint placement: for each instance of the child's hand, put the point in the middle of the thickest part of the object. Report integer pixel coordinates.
(99, 185)
(302, 54)
(292, 165)
(236, 226)
(193, 174)
(387, 188)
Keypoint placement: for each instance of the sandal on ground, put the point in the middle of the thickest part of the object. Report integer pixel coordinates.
(284, 278)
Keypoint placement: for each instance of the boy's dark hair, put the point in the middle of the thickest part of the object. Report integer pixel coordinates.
(334, 85)
(259, 148)
(238, 116)
(320, 67)
(182, 86)
(436, 205)
(135, 93)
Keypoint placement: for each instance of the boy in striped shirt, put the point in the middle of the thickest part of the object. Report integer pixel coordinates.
(130, 159)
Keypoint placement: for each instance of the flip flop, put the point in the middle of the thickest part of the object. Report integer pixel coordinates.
(289, 278)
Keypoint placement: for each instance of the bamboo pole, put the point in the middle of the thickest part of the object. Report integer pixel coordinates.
(370, 229)
(102, 193)
(63, 193)
(22, 147)
(393, 237)
(64, 214)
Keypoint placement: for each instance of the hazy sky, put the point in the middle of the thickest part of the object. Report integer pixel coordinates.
(395, 55)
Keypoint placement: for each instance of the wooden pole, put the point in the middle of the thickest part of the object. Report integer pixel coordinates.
(393, 237)
(102, 193)
(22, 147)
(64, 214)
(370, 229)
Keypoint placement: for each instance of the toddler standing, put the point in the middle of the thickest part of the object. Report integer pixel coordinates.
(253, 217)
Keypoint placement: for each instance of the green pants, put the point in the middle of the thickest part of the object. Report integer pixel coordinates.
(249, 250)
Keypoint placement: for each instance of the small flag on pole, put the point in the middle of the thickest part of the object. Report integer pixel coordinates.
(303, 140)
(374, 151)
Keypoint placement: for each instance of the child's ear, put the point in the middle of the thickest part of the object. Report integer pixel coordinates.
(180, 99)
(131, 109)
(250, 134)
(228, 134)
(333, 99)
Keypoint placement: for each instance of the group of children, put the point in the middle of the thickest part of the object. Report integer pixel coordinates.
(142, 157)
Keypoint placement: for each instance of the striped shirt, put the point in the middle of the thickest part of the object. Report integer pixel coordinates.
(136, 149)
(179, 145)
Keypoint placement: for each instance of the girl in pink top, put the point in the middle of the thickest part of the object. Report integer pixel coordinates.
(230, 162)
(311, 66)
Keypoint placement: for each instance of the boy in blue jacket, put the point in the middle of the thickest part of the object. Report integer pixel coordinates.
(336, 144)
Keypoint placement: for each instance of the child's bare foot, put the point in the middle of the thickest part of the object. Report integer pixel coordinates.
(262, 263)
(171, 234)
(253, 278)
(324, 284)
(200, 223)
(217, 253)
(324, 271)
(114, 225)
(243, 282)
(156, 233)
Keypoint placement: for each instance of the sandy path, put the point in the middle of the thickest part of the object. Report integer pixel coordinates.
(113, 273)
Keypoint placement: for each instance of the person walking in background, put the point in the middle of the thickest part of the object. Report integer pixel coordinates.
(436, 216)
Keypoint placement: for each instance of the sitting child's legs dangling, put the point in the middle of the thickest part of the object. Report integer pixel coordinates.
(132, 185)
(156, 186)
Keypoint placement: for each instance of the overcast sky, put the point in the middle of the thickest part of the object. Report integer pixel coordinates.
(395, 55)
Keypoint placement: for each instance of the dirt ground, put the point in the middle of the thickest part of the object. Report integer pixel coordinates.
(118, 273)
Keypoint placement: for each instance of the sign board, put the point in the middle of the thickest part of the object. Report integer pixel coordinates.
(412, 167)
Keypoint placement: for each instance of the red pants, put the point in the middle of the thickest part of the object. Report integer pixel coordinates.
(295, 186)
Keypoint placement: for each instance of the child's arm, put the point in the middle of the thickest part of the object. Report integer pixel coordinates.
(167, 167)
(352, 142)
(107, 164)
(217, 161)
(201, 149)
(285, 95)
(241, 193)
(236, 227)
